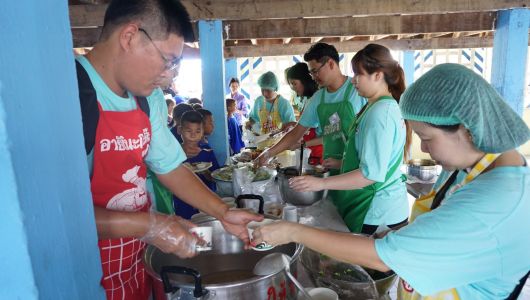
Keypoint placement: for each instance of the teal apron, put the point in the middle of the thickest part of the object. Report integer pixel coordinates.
(353, 205)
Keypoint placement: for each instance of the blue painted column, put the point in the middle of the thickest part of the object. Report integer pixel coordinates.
(230, 72)
(213, 83)
(49, 241)
(408, 66)
(510, 47)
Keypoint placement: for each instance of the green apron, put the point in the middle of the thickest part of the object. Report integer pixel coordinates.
(353, 205)
(163, 197)
(335, 119)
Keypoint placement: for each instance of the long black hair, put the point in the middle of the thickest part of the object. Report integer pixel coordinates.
(300, 71)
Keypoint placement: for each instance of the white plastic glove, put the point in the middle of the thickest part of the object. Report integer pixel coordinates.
(171, 234)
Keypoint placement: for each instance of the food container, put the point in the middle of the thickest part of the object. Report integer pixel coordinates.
(224, 182)
(225, 272)
(422, 169)
(298, 198)
(351, 282)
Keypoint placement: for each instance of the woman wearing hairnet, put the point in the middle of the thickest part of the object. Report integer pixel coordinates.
(469, 238)
(271, 111)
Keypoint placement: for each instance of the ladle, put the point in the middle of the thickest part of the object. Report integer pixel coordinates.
(275, 262)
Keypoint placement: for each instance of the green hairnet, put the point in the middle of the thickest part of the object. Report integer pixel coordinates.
(451, 94)
(268, 81)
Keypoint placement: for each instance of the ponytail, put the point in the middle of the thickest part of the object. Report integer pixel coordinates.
(373, 58)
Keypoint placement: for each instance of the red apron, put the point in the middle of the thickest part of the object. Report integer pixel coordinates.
(316, 151)
(118, 183)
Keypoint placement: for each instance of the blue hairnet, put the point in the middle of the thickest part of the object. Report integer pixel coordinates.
(268, 81)
(451, 94)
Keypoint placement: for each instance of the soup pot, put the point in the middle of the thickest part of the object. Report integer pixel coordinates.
(225, 272)
(298, 198)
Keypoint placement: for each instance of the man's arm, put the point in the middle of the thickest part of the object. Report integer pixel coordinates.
(291, 138)
(185, 185)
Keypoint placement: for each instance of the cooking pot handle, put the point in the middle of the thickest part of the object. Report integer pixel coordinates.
(251, 196)
(168, 288)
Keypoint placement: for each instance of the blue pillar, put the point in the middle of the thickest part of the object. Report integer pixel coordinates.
(230, 72)
(510, 47)
(408, 66)
(49, 241)
(213, 82)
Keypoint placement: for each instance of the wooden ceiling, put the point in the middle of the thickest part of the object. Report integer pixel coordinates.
(287, 27)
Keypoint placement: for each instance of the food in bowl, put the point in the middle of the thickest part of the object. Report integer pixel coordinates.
(225, 174)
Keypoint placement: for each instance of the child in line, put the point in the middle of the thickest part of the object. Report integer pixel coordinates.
(234, 131)
(192, 132)
(178, 111)
(208, 126)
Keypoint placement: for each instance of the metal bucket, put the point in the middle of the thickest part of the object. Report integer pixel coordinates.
(222, 273)
(298, 198)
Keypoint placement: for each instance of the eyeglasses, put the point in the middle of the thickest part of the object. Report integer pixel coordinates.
(169, 64)
(314, 72)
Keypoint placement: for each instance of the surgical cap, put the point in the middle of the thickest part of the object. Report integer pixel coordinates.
(268, 81)
(451, 94)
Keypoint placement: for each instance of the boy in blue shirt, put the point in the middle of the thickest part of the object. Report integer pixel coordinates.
(234, 131)
(192, 132)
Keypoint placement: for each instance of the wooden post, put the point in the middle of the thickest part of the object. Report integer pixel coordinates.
(510, 47)
(230, 72)
(49, 241)
(213, 81)
(408, 66)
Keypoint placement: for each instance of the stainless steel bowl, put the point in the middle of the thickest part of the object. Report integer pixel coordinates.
(298, 198)
(422, 169)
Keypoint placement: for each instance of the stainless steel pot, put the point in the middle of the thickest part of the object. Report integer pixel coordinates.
(298, 198)
(423, 169)
(222, 273)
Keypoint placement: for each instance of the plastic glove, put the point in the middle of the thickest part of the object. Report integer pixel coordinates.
(263, 158)
(171, 234)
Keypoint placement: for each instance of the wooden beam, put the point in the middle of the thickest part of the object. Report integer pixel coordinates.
(254, 42)
(244, 9)
(92, 15)
(348, 26)
(286, 40)
(354, 46)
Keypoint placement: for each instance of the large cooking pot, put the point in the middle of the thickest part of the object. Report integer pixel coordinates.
(298, 198)
(225, 272)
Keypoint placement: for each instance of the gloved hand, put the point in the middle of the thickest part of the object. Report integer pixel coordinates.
(171, 234)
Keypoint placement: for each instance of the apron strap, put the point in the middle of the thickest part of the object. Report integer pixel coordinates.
(440, 195)
(517, 291)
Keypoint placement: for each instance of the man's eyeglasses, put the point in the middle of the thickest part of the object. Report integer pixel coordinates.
(169, 64)
(314, 72)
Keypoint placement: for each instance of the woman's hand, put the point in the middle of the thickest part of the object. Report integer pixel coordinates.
(277, 233)
(235, 221)
(307, 184)
(332, 163)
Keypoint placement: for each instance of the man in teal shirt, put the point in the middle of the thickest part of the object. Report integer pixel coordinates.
(332, 108)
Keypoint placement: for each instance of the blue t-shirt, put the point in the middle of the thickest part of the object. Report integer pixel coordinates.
(234, 135)
(476, 241)
(164, 154)
(379, 141)
(182, 208)
(285, 109)
(310, 119)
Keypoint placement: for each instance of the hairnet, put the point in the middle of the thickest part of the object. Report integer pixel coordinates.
(268, 81)
(451, 94)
